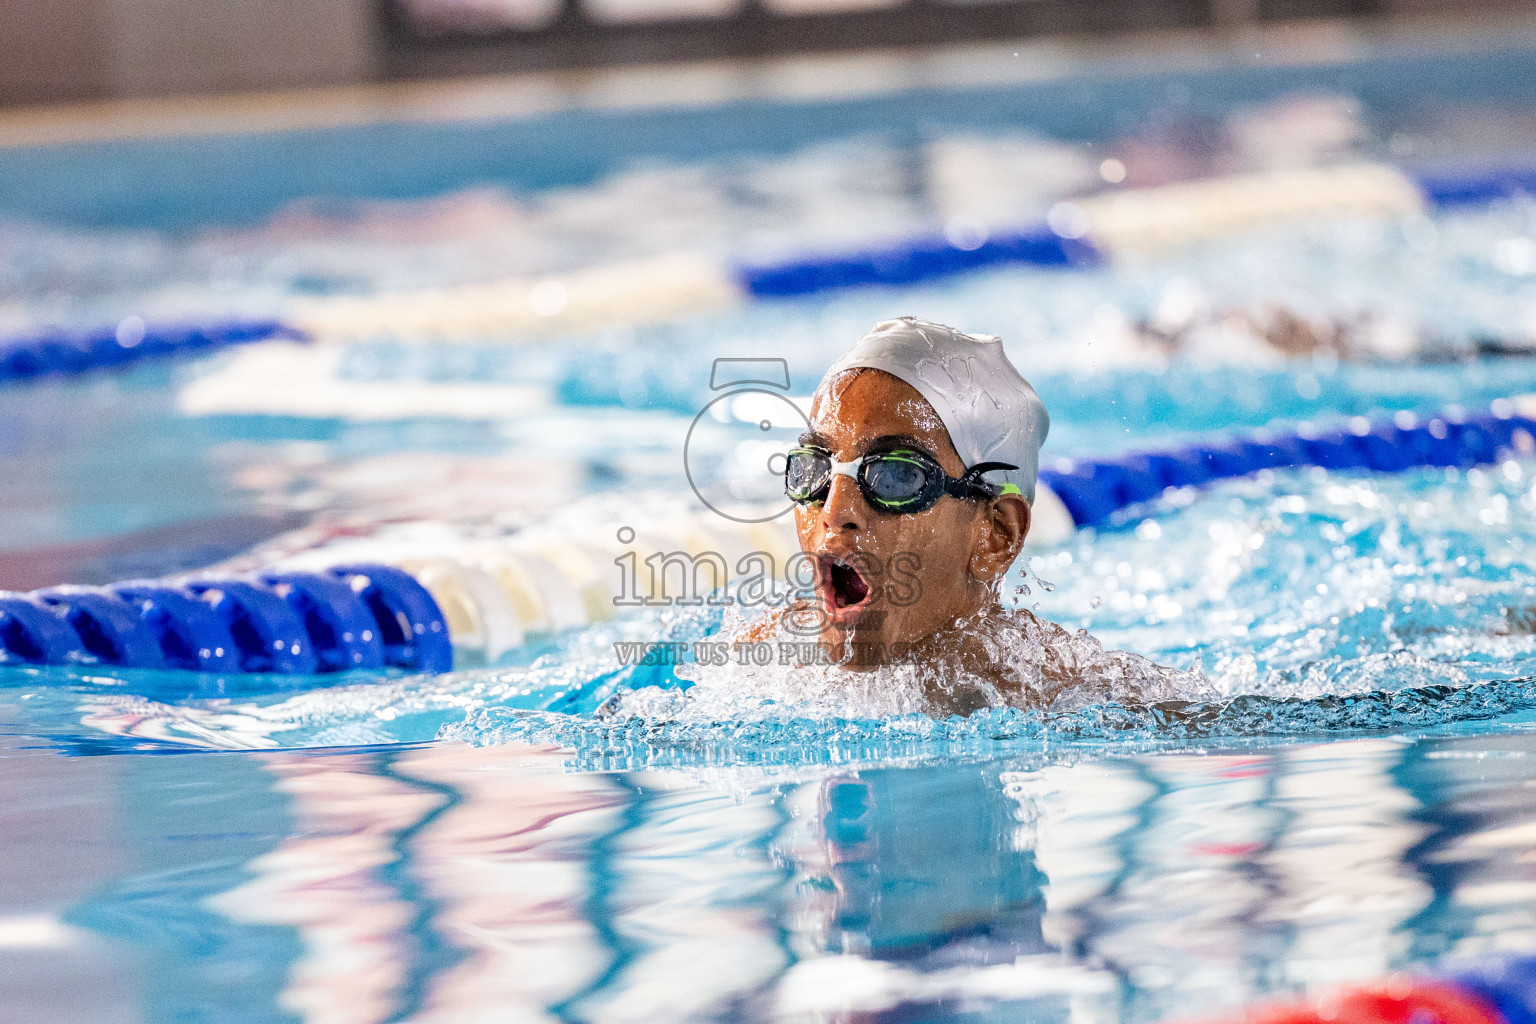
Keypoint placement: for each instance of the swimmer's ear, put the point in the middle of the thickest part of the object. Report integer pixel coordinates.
(1007, 520)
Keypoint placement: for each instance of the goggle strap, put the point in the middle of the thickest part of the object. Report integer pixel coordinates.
(972, 483)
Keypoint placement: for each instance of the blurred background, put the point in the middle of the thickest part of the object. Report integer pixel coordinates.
(100, 49)
(278, 274)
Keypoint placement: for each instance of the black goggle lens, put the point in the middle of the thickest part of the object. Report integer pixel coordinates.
(895, 481)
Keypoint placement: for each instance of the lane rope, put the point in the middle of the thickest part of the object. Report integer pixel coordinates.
(1498, 990)
(284, 623)
(1081, 232)
(63, 353)
(1100, 491)
(411, 601)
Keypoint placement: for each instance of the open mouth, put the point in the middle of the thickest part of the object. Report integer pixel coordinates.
(843, 585)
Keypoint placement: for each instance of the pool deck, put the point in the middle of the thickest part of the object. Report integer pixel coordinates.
(709, 83)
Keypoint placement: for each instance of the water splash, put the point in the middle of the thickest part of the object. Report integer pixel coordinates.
(1292, 587)
(641, 742)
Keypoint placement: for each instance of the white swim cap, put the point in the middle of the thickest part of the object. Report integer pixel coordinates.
(989, 409)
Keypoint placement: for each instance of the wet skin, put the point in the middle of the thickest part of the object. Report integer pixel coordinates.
(957, 553)
(885, 579)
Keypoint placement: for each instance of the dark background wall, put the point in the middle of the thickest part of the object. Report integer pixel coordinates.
(55, 50)
(61, 50)
(51, 51)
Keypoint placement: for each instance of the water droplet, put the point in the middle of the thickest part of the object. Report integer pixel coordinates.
(1022, 589)
(1097, 600)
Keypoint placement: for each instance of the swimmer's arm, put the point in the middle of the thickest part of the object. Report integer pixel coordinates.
(760, 630)
(1073, 659)
(1062, 665)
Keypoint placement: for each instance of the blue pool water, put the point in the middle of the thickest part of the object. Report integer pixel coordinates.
(1347, 795)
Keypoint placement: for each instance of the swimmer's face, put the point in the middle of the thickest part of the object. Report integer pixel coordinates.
(896, 579)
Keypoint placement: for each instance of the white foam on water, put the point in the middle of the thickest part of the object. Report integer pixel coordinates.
(999, 658)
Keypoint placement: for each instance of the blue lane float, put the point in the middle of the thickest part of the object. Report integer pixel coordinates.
(411, 626)
(60, 353)
(371, 617)
(1476, 186)
(1506, 983)
(268, 634)
(915, 260)
(189, 633)
(934, 256)
(1096, 491)
(110, 629)
(1498, 990)
(341, 629)
(900, 263)
(30, 633)
(284, 623)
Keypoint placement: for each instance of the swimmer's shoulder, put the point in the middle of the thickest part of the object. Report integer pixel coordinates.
(1057, 653)
(1040, 629)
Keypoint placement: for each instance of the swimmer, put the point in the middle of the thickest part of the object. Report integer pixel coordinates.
(913, 494)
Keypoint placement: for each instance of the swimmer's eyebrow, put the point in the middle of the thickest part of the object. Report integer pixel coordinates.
(883, 443)
(887, 442)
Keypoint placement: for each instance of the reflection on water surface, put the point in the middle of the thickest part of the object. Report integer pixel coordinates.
(453, 883)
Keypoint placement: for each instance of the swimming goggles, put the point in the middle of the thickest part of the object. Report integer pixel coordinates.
(900, 481)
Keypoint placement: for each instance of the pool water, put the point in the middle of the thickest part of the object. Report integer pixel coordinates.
(1348, 801)
(1341, 790)
(1060, 879)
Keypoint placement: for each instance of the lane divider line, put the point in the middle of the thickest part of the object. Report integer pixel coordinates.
(1498, 990)
(61, 353)
(1077, 233)
(394, 601)
(284, 623)
(1096, 491)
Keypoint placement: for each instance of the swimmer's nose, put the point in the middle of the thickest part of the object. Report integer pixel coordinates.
(844, 508)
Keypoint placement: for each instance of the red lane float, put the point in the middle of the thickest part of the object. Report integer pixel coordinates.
(1399, 1000)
